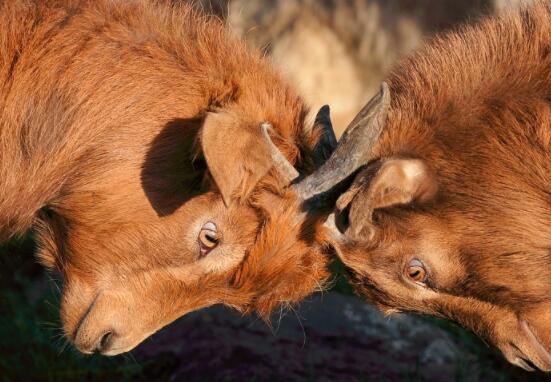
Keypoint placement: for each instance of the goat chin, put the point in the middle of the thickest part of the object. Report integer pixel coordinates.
(537, 325)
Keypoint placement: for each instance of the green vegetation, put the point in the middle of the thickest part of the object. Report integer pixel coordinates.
(32, 346)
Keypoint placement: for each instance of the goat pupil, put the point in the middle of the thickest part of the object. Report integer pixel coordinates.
(207, 240)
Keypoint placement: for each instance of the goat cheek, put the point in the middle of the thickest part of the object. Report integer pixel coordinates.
(540, 319)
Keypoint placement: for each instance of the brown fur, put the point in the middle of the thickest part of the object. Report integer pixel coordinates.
(473, 106)
(106, 111)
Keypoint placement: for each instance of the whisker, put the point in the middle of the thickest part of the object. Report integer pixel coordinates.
(63, 347)
(130, 356)
(54, 282)
(301, 326)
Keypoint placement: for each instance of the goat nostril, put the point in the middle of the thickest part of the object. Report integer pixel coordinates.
(104, 341)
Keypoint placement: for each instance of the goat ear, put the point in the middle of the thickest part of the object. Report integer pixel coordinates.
(236, 156)
(385, 184)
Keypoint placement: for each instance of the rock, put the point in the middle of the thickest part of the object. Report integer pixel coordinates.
(440, 352)
(328, 338)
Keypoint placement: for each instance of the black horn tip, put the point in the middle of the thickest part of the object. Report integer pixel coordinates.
(325, 110)
(328, 140)
(323, 117)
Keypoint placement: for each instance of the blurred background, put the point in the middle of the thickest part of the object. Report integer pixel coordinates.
(334, 52)
(337, 52)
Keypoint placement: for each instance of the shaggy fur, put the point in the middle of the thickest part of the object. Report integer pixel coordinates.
(474, 107)
(106, 111)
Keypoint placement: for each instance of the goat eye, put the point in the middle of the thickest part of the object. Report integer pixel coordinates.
(208, 238)
(416, 272)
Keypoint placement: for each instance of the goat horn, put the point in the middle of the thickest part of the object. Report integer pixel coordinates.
(327, 142)
(353, 150)
(281, 163)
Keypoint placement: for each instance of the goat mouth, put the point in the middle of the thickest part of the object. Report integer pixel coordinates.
(541, 351)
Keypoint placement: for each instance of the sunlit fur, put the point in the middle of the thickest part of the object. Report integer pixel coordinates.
(101, 106)
(475, 106)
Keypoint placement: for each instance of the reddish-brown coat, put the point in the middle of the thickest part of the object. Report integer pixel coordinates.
(101, 107)
(473, 106)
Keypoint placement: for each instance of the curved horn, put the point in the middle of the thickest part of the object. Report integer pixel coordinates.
(281, 163)
(327, 142)
(322, 151)
(353, 150)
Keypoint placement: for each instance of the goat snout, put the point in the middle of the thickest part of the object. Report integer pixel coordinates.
(90, 343)
(526, 350)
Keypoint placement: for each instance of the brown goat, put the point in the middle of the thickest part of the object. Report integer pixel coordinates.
(130, 139)
(452, 217)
